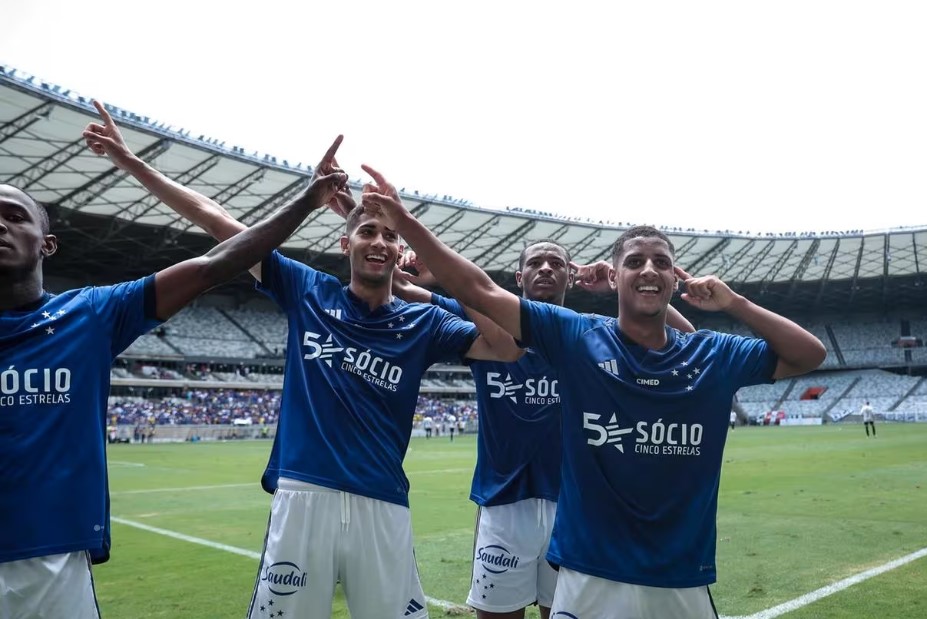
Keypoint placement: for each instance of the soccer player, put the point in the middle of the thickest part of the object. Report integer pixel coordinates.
(57, 351)
(517, 477)
(355, 359)
(868, 418)
(645, 410)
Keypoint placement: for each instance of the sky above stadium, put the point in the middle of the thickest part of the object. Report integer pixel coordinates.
(798, 115)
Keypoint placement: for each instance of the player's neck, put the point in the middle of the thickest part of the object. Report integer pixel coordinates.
(647, 332)
(19, 292)
(374, 295)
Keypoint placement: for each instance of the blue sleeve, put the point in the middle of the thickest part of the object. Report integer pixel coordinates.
(752, 361)
(549, 329)
(452, 338)
(126, 311)
(285, 280)
(449, 305)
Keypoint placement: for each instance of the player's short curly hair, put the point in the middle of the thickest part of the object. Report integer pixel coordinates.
(647, 232)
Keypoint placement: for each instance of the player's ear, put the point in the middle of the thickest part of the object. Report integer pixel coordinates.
(402, 251)
(518, 280)
(49, 245)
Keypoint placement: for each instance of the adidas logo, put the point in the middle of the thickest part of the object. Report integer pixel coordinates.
(610, 366)
(413, 607)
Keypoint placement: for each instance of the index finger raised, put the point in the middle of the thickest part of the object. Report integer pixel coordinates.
(681, 274)
(376, 176)
(101, 109)
(330, 153)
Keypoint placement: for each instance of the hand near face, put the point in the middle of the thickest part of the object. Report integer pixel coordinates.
(410, 260)
(593, 277)
(381, 199)
(707, 293)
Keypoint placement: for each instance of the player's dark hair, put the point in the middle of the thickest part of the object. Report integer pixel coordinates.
(647, 232)
(353, 219)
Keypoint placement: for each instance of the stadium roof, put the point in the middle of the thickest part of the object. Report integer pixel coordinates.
(111, 227)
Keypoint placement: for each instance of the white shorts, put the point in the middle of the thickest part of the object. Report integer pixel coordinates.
(581, 596)
(52, 587)
(317, 537)
(510, 570)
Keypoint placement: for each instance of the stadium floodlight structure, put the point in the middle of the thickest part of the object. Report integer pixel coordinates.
(118, 230)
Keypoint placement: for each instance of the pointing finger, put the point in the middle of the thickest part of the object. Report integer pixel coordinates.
(376, 176)
(681, 274)
(330, 153)
(103, 113)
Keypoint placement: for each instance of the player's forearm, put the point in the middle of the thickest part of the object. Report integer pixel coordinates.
(501, 343)
(191, 205)
(462, 279)
(798, 349)
(251, 245)
(409, 292)
(678, 321)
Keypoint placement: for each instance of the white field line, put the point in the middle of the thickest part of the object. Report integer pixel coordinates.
(146, 491)
(444, 604)
(124, 463)
(823, 592)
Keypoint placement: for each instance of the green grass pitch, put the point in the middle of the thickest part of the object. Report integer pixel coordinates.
(800, 508)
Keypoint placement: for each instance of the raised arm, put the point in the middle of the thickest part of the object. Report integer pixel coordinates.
(465, 281)
(106, 139)
(177, 285)
(799, 351)
(494, 342)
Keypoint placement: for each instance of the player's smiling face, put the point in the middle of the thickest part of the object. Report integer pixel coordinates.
(545, 275)
(644, 277)
(23, 242)
(373, 250)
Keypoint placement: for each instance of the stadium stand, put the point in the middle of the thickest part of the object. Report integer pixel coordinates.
(861, 292)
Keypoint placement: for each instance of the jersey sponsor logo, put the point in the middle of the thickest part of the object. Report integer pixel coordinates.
(610, 433)
(496, 559)
(334, 312)
(368, 365)
(323, 351)
(541, 390)
(502, 389)
(284, 578)
(21, 387)
(658, 438)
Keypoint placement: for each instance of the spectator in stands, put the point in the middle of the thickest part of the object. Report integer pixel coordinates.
(868, 418)
(355, 360)
(57, 352)
(733, 419)
(645, 410)
(517, 477)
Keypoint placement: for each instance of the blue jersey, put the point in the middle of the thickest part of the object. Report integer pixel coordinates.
(643, 436)
(518, 445)
(54, 382)
(351, 381)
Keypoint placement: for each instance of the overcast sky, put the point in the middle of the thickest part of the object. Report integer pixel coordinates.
(742, 115)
